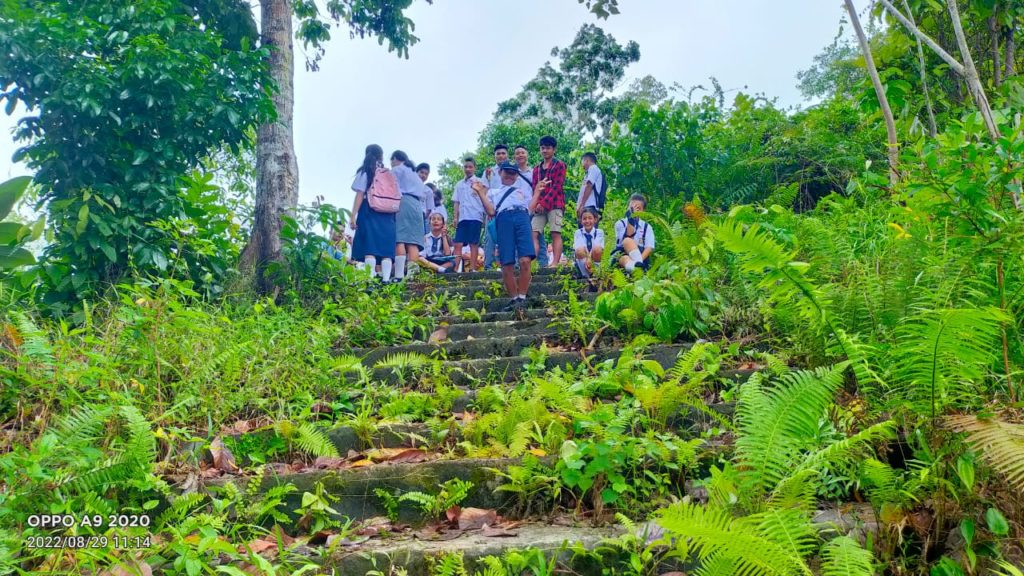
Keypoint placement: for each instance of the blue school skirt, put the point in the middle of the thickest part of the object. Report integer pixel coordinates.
(375, 234)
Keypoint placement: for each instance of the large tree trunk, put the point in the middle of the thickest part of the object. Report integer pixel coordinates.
(974, 85)
(277, 171)
(890, 123)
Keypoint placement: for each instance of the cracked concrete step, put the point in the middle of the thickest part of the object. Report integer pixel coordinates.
(476, 372)
(564, 271)
(463, 349)
(531, 314)
(413, 556)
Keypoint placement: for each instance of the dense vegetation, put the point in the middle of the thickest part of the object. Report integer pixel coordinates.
(881, 320)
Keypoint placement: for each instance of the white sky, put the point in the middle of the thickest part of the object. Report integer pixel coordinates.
(473, 54)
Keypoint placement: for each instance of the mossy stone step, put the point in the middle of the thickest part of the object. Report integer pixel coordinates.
(462, 349)
(564, 271)
(491, 288)
(413, 556)
(498, 304)
(501, 328)
(475, 372)
(530, 314)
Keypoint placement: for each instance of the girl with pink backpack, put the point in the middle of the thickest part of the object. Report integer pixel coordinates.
(373, 214)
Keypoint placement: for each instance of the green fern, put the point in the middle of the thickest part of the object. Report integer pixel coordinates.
(843, 556)
(448, 564)
(307, 438)
(940, 353)
(35, 345)
(715, 537)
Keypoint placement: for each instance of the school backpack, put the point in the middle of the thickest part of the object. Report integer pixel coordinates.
(383, 194)
(600, 195)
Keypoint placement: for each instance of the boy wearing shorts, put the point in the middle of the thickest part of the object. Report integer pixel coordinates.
(548, 206)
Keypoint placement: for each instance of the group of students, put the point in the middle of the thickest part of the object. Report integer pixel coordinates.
(507, 210)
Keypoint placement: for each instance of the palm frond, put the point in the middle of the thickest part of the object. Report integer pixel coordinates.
(999, 443)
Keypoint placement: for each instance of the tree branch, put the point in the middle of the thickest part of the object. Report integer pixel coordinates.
(910, 26)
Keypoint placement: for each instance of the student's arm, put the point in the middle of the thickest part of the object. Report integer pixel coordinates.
(538, 189)
(455, 206)
(588, 188)
(446, 247)
(355, 208)
(648, 241)
(481, 190)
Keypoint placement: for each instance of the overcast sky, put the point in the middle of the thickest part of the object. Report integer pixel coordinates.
(473, 54)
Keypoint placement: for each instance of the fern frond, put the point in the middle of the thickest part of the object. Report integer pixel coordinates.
(790, 528)
(34, 343)
(777, 423)
(939, 353)
(880, 480)
(999, 443)
(843, 556)
(849, 447)
(713, 534)
(1011, 570)
(404, 361)
(313, 441)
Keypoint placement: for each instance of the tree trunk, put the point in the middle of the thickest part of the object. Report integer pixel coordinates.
(890, 123)
(971, 73)
(997, 65)
(932, 128)
(277, 171)
(1009, 68)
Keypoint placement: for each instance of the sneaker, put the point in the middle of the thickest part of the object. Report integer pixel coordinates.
(511, 306)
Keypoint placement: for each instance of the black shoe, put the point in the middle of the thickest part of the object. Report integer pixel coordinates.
(510, 306)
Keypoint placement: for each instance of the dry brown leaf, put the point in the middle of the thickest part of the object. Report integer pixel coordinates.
(473, 518)
(239, 427)
(400, 455)
(438, 336)
(339, 540)
(362, 463)
(261, 545)
(374, 526)
(330, 463)
(211, 473)
(223, 459)
(497, 532)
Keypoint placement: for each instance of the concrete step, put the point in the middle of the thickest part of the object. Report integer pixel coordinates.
(531, 314)
(489, 288)
(564, 271)
(481, 371)
(413, 556)
(463, 349)
(494, 329)
(497, 304)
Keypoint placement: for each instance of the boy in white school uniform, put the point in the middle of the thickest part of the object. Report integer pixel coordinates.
(509, 204)
(469, 212)
(634, 238)
(493, 178)
(593, 182)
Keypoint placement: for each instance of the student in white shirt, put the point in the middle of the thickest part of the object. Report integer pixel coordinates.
(588, 243)
(634, 238)
(409, 220)
(522, 158)
(509, 205)
(593, 181)
(439, 207)
(493, 177)
(437, 250)
(423, 171)
(469, 212)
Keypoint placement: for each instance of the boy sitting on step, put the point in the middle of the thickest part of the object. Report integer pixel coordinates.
(634, 238)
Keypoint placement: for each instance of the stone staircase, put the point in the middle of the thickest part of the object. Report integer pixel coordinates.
(487, 345)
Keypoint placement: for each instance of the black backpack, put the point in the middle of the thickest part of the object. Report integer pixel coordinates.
(600, 195)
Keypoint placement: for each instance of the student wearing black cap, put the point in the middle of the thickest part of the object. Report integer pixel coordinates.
(509, 205)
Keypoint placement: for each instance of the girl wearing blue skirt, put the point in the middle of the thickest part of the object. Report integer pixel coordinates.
(375, 232)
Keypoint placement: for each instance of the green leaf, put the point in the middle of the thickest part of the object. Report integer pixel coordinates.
(997, 523)
(11, 232)
(140, 157)
(83, 219)
(965, 471)
(967, 529)
(10, 192)
(15, 257)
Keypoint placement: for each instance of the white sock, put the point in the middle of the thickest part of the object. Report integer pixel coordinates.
(400, 266)
(583, 266)
(636, 255)
(413, 267)
(371, 264)
(385, 269)
(630, 266)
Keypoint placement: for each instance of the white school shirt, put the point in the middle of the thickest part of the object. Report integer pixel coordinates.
(579, 240)
(470, 206)
(495, 180)
(595, 177)
(646, 241)
(359, 184)
(429, 241)
(518, 198)
(409, 183)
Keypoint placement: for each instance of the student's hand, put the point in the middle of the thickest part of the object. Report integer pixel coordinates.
(353, 224)
(479, 187)
(533, 207)
(579, 213)
(487, 173)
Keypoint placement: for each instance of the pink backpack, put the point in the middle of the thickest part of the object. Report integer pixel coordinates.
(383, 195)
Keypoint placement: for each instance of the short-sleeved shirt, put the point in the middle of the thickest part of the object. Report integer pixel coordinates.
(595, 177)
(433, 246)
(409, 183)
(579, 240)
(644, 234)
(470, 206)
(553, 196)
(359, 184)
(518, 198)
(495, 180)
